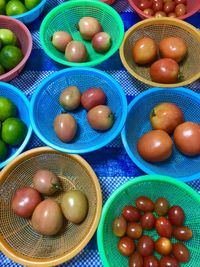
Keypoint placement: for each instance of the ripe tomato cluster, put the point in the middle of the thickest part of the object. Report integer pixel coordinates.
(163, 8)
(171, 50)
(148, 215)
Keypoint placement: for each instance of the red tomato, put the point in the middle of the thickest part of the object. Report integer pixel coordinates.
(135, 260)
(176, 215)
(169, 7)
(93, 97)
(144, 51)
(131, 214)
(172, 15)
(155, 146)
(148, 12)
(151, 261)
(164, 70)
(163, 246)
(181, 2)
(164, 227)
(181, 252)
(126, 246)
(180, 10)
(145, 245)
(160, 14)
(144, 4)
(173, 47)
(186, 138)
(25, 201)
(144, 203)
(100, 118)
(147, 220)
(157, 6)
(168, 261)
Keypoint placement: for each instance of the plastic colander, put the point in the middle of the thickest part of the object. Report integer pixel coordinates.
(31, 15)
(18, 240)
(45, 107)
(22, 104)
(193, 6)
(153, 186)
(138, 122)
(65, 17)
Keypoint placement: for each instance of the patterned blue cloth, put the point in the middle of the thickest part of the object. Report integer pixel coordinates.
(111, 164)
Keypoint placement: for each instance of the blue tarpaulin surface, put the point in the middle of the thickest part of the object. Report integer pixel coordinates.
(111, 164)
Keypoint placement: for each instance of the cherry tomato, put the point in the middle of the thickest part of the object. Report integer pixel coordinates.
(134, 230)
(126, 246)
(182, 233)
(88, 27)
(144, 50)
(168, 261)
(93, 97)
(144, 203)
(135, 260)
(144, 4)
(164, 70)
(119, 226)
(186, 138)
(169, 7)
(157, 6)
(155, 146)
(163, 227)
(180, 10)
(151, 261)
(172, 15)
(173, 47)
(147, 220)
(160, 14)
(181, 252)
(24, 201)
(176, 215)
(145, 245)
(148, 12)
(100, 117)
(163, 246)
(161, 206)
(131, 214)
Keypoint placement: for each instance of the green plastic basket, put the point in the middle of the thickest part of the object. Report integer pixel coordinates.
(153, 186)
(65, 17)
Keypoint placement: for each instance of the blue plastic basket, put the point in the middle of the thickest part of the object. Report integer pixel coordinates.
(45, 107)
(32, 14)
(138, 122)
(22, 104)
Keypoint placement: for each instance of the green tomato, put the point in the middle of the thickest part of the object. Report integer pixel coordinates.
(10, 56)
(15, 7)
(30, 4)
(7, 37)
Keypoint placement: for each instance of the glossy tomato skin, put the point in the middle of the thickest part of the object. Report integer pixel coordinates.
(145, 246)
(119, 226)
(176, 215)
(136, 260)
(100, 117)
(70, 98)
(163, 227)
(126, 246)
(168, 261)
(182, 233)
(181, 252)
(169, 7)
(144, 4)
(157, 6)
(65, 127)
(161, 206)
(76, 51)
(93, 97)
(151, 261)
(25, 201)
(164, 70)
(101, 42)
(180, 10)
(134, 230)
(148, 12)
(131, 214)
(163, 246)
(173, 47)
(180, 2)
(144, 51)
(147, 220)
(186, 138)
(166, 116)
(144, 203)
(155, 146)
(160, 14)
(88, 27)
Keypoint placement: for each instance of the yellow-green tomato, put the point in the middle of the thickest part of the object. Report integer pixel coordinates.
(74, 206)
(47, 218)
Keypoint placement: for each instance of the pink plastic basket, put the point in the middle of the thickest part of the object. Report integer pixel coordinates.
(193, 6)
(25, 42)
(109, 2)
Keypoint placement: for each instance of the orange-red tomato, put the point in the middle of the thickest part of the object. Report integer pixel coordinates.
(187, 138)
(173, 47)
(163, 246)
(164, 70)
(155, 146)
(144, 50)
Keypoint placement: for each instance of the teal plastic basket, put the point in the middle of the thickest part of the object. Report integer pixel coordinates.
(153, 186)
(65, 17)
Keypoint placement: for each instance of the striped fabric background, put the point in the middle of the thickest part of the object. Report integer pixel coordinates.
(111, 164)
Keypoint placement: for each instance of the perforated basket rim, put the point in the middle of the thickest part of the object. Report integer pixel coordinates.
(30, 12)
(145, 16)
(93, 147)
(12, 88)
(148, 170)
(168, 21)
(77, 3)
(28, 261)
(112, 197)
